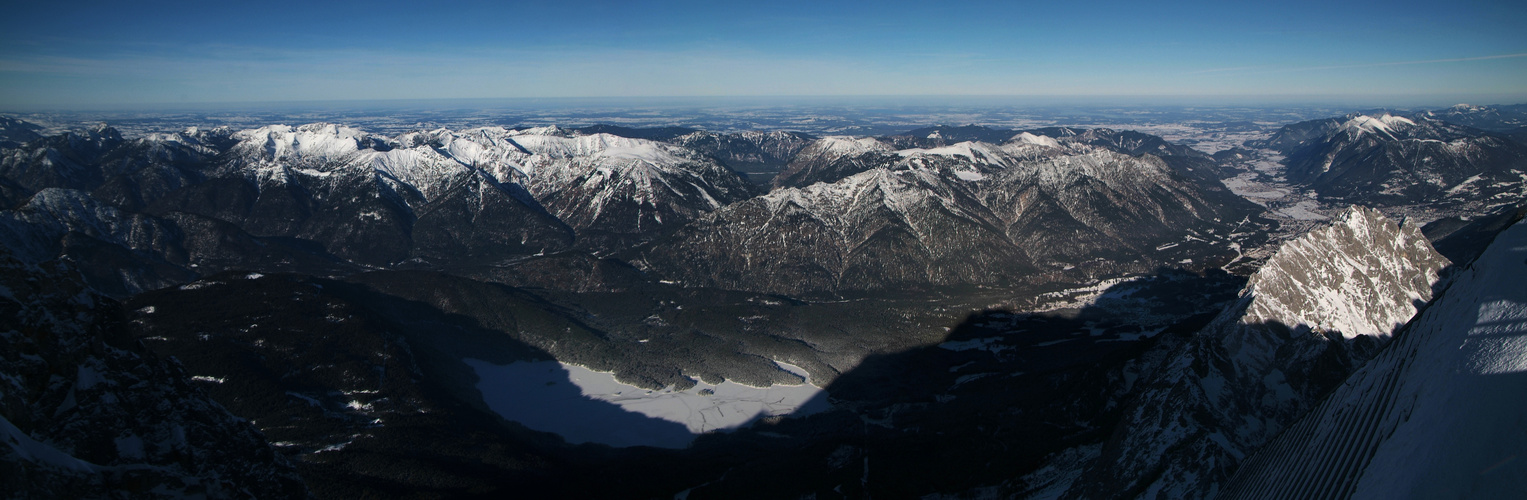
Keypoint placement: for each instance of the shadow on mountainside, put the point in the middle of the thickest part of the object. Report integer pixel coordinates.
(1435, 414)
(1462, 240)
(1229, 391)
(988, 404)
(991, 401)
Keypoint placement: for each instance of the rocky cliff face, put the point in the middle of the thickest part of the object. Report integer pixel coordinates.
(86, 411)
(1437, 414)
(1314, 312)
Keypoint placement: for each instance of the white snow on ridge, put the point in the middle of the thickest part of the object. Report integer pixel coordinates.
(601, 145)
(584, 405)
(585, 171)
(314, 139)
(847, 145)
(1036, 140)
(1385, 124)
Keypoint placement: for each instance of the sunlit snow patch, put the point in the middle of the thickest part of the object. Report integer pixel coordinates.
(583, 405)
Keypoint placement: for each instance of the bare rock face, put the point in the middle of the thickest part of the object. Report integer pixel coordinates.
(1324, 304)
(85, 411)
(1371, 286)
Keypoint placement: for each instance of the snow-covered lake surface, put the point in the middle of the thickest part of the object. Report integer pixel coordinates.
(584, 405)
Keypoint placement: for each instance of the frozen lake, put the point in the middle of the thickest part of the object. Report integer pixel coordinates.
(584, 405)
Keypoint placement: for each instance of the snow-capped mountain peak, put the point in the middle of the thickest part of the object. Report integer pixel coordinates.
(1267, 358)
(1025, 138)
(314, 139)
(1386, 125)
(846, 145)
(1366, 290)
(971, 160)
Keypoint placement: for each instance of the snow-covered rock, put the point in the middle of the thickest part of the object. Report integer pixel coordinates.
(1035, 140)
(1370, 286)
(1323, 304)
(1437, 414)
(965, 213)
(1386, 124)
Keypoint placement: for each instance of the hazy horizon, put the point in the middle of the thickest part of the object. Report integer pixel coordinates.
(1352, 102)
(102, 55)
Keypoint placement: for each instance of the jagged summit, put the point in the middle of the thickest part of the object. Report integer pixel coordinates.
(1383, 270)
(1318, 309)
(599, 184)
(1437, 414)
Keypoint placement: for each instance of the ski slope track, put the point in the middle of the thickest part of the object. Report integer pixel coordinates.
(1438, 414)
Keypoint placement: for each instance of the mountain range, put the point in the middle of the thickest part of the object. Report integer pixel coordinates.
(1055, 312)
(1391, 160)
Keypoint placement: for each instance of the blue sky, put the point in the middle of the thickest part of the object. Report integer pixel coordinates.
(84, 54)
